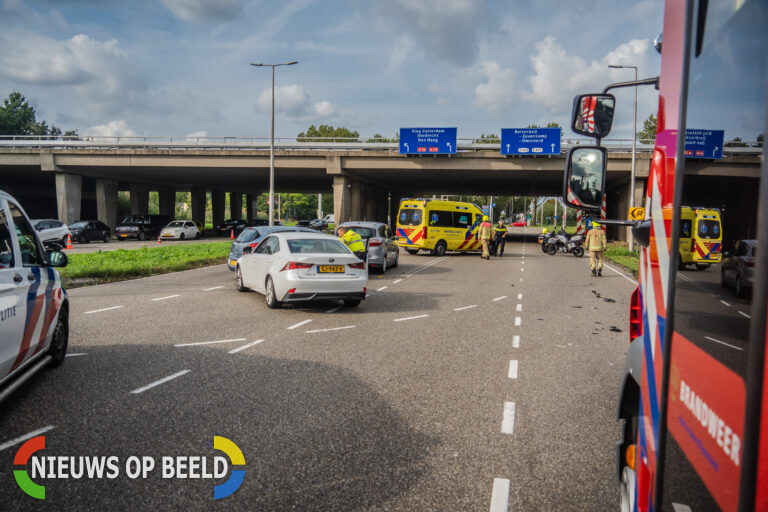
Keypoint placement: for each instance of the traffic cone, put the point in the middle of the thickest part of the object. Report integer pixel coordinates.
(158, 239)
(231, 234)
(69, 241)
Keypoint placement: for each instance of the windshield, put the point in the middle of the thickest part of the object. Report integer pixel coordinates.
(79, 224)
(132, 220)
(363, 232)
(176, 224)
(315, 246)
(709, 229)
(410, 217)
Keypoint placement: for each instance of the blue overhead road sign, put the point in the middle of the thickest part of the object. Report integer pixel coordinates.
(704, 144)
(530, 141)
(427, 141)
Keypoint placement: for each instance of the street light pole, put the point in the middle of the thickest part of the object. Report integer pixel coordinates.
(272, 141)
(634, 151)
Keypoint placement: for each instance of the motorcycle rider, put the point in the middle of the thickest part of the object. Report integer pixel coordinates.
(596, 245)
(500, 234)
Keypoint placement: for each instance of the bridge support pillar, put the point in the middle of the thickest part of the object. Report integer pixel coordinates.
(341, 199)
(198, 205)
(139, 199)
(357, 197)
(370, 203)
(69, 192)
(252, 205)
(166, 198)
(217, 207)
(235, 205)
(106, 202)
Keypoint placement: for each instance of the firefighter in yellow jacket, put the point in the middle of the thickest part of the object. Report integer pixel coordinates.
(484, 233)
(352, 240)
(596, 245)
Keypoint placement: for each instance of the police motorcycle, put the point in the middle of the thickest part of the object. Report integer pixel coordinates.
(543, 239)
(562, 242)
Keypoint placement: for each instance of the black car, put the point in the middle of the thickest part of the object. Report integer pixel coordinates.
(318, 224)
(141, 227)
(84, 231)
(303, 223)
(229, 226)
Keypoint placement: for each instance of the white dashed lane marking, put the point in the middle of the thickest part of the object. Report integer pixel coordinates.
(519, 307)
(168, 297)
(519, 296)
(333, 329)
(409, 318)
(396, 281)
(303, 322)
(103, 309)
(22, 438)
(334, 309)
(499, 298)
(518, 321)
(208, 342)
(382, 288)
(247, 345)
(466, 307)
(516, 341)
(500, 495)
(212, 288)
(76, 354)
(512, 374)
(508, 422)
(158, 382)
(723, 343)
(744, 314)
(725, 303)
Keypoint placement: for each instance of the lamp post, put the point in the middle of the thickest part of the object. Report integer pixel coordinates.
(634, 149)
(272, 140)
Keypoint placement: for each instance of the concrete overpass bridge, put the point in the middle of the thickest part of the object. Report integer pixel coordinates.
(75, 179)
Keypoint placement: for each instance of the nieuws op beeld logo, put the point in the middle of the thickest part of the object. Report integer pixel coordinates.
(78, 467)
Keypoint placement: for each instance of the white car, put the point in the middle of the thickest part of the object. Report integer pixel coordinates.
(51, 230)
(180, 230)
(298, 267)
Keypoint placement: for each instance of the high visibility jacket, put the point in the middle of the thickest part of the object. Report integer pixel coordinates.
(595, 240)
(353, 241)
(499, 230)
(484, 231)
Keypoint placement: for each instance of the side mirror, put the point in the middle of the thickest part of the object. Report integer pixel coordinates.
(584, 181)
(642, 233)
(593, 114)
(247, 249)
(57, 259)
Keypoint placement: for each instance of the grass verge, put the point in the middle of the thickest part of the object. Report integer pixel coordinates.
(619, 254)
(121, 264)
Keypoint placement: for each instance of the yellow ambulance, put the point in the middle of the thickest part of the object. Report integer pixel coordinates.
(701, 237)
(438, 226)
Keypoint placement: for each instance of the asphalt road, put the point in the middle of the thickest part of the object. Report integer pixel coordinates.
(459, 384)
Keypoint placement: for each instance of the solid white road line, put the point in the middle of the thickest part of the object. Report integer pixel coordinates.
(382, 288)
(158, 382)
(519, 307)
(334, 329)
(512, 369)
(409, 318)
(248, 345)
(396, 281)
(518, 321)
(168, 297)
(212, 288)
(465, 307)
(208, 342)
(725, 303)
(500, 496)
(25, 437)
(304, 322)
(104, 309)
(516, 341)
(334, 309)
(499, 298)
(744, 314)
(77, 354)
(622, 274)
(519, 296)
(723, 343)
(508, 423)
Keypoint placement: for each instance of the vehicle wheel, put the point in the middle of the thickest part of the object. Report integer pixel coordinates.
(82, 239)
(739, 287)
(702, 266)
(142, 236)
(722, 278)
(412, 251)
(239, 281)
(383, 267)
(397, 258)
(270, 297)
(440, 248)
(551, 250)
(197, 236)
(352, 303)
(64, 242)
(182, 236)
(58, 350)
(578, 252)
(628, 482)
(107, 237)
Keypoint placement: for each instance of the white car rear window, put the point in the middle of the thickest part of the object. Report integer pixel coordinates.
(315, 246)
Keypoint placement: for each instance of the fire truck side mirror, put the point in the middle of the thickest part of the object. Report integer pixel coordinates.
(593, 114)
(584, 181)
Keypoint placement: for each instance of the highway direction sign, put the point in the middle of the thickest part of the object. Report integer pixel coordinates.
(427, 141)
(704, 144)
(530, 141)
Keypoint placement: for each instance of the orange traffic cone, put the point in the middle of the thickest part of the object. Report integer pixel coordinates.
(69, 241)
(158, 239)
(231, 234)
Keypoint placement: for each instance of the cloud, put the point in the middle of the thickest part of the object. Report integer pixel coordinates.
(296, 104)
(205, 10)
(111, 129)
(497, 93)
(400, 52)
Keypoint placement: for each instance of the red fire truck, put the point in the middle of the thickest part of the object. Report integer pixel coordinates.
(694, 397)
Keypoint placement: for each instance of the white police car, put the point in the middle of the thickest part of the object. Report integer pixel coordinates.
(34, 309)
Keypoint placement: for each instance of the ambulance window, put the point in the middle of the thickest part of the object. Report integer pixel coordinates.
(410, 217)
(6, 246)
(709, 229)
(30, 255)
(461, 220)
(685, 228)
(440, 219)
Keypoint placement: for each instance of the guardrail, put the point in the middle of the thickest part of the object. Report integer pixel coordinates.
(295, 144)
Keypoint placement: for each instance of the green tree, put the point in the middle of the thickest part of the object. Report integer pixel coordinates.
(648, 134)
(490, 138)
(550, 124)
(377, 137)
(327, 133)
(17, 117)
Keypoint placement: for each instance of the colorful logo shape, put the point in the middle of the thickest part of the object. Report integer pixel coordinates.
(236, 478)
(21, 475)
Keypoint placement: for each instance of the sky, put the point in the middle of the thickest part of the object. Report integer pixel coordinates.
(181, 67)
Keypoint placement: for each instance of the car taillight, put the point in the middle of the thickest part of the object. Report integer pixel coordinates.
(293, 265)
(750, 262)
(374, 242)
(359, 265)
(636, 315)
(292, 290)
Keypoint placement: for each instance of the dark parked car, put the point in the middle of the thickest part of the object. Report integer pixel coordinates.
(738, 268)
(141, 227)
(84, 231)
(252, 235)
(303, 223)
(229, 226)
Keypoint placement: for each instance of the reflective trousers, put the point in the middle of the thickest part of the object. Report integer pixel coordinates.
(596, 260)
(486, 254)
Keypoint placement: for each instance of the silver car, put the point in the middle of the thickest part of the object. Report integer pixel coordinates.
(738, 268)
(51, 230)
(380, 243)
(252, 236)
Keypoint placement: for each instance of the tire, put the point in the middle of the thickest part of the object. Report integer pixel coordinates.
(722, 278)
(740, 291)
(182, 236)
(239, 281)
(578, 252)
(551, 250)
(107, 238)
(269, 295)
(352, 303)
(197, 236)
(412, 251)
(383, 267)
(702, 266)
(142, 236)
(82, 239)
(60, 341)
(64, 242)
(397, 258)
(440, 248)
